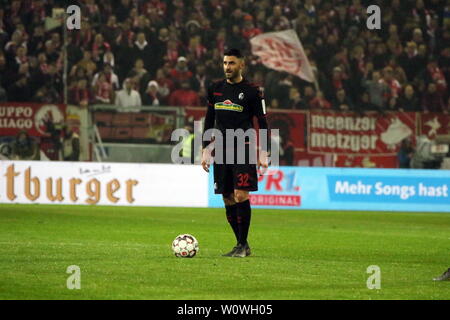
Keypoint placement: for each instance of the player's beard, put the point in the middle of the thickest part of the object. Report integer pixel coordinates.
(232, 76)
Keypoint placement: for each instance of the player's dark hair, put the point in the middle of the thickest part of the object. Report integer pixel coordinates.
(234, 52)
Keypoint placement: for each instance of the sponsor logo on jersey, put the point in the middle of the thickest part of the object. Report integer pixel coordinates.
(228, 105)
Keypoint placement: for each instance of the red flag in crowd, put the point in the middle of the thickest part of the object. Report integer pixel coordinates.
(282, 51)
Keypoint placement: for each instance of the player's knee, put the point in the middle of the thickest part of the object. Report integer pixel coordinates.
(228, 199)
(240, 196)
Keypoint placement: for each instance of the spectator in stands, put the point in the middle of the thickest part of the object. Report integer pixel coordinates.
(152, 97)
(409, 60)
(418, 36)
(380, 57)
(51, 51)
(432, 100)
(172, 52)
(42, 62)
(435, 74)
(122, 10)
(103, 90)
(392, 105)
(184, 96)
(80, 95)
(320, 102)
(108, 58)
(111, 29)
(192, 29)
(139, 74)
(200, 79)
(128, 98)
(338, 81)
(196, 48)
(408, 101)
(377, 90)
(274, 104)
(181, 71)
(54, 80)
(342, 102)
(399, 73)
(25, 148)
(5, 151)
(295, 100)
(235, 39)
(110, 76)
(392, 83)
(278, 21)
(45, 94)
(166, 85)
(249, 31)
(99, 48)
(20, 58)
(309, 94)
(142, 50)
(92, 10)
(20, 91)
(70, 144)
(15, 42)
(124, 49)
(366, 105)
(281, 90)
(142, 24)
(405, 154)
(87, 63)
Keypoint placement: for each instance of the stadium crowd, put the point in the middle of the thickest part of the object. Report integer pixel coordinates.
(156, 52)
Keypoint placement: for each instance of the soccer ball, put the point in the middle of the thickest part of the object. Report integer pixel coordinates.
(185, 246)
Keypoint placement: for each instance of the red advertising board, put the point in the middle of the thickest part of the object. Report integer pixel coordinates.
(374, 134)
(31, 117)
(292, 134)
(432, 124)
(339, 139)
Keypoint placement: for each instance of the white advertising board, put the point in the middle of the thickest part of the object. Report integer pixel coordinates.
(93, 183)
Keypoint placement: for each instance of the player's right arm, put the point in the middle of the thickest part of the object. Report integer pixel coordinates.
(209, 123)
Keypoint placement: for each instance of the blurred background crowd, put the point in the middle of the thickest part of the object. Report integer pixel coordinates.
(166, 52)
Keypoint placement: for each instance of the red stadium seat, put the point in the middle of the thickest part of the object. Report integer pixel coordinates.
(121, 119)
(103, 119)
(105, 133)
(140, 132)
(141, 119)
(122, 133)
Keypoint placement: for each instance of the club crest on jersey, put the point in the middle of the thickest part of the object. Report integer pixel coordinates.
(241, 96)
(228, 105)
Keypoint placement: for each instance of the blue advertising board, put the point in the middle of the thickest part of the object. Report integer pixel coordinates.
(349, 189)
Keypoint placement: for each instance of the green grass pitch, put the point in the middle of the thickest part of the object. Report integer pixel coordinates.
(124, 253)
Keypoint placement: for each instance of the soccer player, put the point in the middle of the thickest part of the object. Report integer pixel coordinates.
(232, 104)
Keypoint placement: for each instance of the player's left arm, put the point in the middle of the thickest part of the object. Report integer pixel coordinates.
(260, 112)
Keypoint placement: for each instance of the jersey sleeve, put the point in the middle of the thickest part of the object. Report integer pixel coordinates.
(210, 114)
(260, 112)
